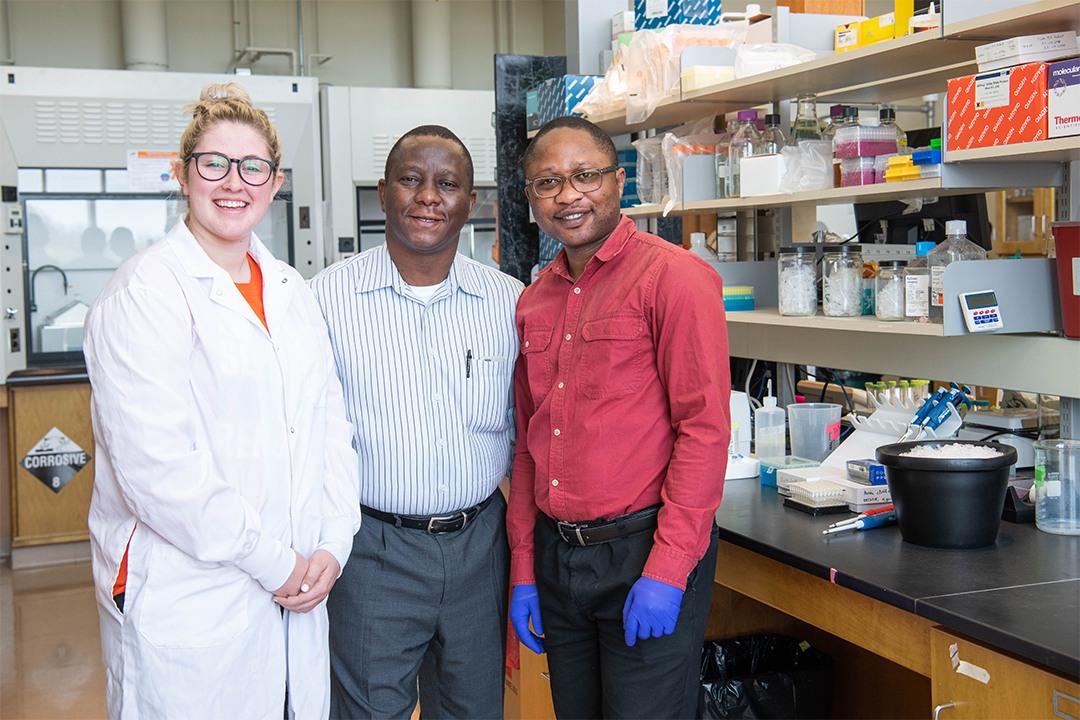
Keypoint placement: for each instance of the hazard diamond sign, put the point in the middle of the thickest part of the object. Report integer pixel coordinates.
(55, 460)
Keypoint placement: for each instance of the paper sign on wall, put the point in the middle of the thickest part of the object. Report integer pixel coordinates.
(55, 459)
(151, 170)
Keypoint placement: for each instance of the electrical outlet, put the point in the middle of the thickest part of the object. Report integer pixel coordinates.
(13, 341)
(305, 217)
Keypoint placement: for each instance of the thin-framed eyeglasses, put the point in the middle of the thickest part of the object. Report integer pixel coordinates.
(584, 181)
(214, 166)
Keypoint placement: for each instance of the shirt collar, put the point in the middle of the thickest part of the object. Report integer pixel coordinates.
(378, 271)
(612, 246)
(197, 263)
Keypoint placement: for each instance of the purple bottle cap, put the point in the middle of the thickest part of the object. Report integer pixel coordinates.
(837, 110)
(745, 115)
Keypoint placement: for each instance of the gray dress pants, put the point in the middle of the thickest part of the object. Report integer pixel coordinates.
(411, 605)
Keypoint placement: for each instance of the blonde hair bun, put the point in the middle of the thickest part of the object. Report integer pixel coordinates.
(224, 92)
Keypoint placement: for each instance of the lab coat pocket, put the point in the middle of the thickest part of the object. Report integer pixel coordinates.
(192, 604)
(613, 357)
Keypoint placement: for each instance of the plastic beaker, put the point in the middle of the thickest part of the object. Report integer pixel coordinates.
(814, 429)
(1057, 486)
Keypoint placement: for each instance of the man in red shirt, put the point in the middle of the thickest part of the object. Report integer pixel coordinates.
(622, 392)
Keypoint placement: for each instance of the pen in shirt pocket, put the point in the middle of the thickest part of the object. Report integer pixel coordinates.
(468, 363)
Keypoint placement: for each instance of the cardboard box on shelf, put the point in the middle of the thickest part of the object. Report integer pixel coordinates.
(1063, 98)
(656, 14)
(847, 37)
(1026, 49)
(560, 95)
(877, 29)
(825, 7)
(998, 108)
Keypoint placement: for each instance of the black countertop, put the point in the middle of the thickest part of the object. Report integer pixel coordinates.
(1021, 594)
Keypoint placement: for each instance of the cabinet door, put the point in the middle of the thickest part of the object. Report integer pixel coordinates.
(50, 425)
(984, 683)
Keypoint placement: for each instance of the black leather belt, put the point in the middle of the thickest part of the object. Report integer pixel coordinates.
(598, 532)
(434, 524)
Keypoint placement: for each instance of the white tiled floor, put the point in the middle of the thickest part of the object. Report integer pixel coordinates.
(50, 649)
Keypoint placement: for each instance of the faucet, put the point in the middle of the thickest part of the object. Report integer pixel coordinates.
(33, 280)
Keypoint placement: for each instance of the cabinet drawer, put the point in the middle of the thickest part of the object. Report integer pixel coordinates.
(985, 683)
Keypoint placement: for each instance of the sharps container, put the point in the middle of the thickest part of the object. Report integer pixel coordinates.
(1057, 486)
(814, 429)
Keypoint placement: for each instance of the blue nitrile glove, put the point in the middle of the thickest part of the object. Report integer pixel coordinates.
(651, 609)
(525, 604)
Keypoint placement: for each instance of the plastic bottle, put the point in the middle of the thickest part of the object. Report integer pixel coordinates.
(770, 436)
(743, 141)
(772, 138)
(733, 444)
(699, 248)
(917, 284)
(888, 119)
(806, 120)
(723, 141)
(954, 248)
(836, 116)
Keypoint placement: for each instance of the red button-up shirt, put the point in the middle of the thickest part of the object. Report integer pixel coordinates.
(622, 392)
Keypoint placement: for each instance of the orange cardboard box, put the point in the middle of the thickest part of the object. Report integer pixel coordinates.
(997, 108)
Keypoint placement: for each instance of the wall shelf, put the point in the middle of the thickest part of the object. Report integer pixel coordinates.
(1064, 149)
(1028, 19)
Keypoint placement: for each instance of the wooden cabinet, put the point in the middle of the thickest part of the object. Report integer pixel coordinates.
(970, 680)
(1022, 221)
(41, 514)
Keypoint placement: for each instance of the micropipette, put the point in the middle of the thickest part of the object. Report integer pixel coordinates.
(866, 523)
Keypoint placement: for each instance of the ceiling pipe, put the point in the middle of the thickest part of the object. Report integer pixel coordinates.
(432, 55)
(7, 56)
(143, 23)
(251, 51)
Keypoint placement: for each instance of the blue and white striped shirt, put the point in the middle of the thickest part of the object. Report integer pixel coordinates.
(428, 386)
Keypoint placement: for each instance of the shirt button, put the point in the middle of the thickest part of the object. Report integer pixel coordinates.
(438, 396)
(220, 291)
(442, 443)
(431, 353)
(292, 430)
(556, 431)
(284, 280)
(554, 483)
(561, 385)
(526, 343)
(567, 336)
(577, 291)
(443, 488)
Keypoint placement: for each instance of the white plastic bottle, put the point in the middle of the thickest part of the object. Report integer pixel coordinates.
(917, 284)
(743, 142)
(770, 432)
(953, 248)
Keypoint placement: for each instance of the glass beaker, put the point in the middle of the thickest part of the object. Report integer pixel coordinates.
(1057, 486)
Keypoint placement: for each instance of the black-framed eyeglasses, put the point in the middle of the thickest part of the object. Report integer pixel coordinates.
(214, 166)
(584, 181)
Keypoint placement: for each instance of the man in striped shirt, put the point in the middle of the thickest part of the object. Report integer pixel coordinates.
(425, 344)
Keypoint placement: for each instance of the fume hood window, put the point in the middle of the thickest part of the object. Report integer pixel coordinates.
(73, 245)
(73, 181)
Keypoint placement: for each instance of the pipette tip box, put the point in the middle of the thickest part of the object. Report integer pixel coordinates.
(769, 466)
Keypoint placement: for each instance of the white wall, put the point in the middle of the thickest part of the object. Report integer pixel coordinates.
(370, 40)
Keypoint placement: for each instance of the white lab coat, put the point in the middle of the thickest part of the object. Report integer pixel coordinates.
(224, 447)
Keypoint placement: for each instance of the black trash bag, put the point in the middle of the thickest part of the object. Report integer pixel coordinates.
(765, 676)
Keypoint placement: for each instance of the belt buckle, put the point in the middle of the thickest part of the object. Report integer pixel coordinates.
(434, 529)
(564, 526)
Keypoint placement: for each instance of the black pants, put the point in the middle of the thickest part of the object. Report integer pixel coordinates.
(593, 672)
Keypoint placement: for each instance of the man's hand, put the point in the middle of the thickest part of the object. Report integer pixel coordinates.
(525, 604)
(651, 610)
(322, 573)
(296, 578)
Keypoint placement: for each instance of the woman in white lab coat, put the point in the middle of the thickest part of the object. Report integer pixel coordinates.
(226, 493)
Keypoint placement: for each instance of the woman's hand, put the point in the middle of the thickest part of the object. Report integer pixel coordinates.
(322, 573)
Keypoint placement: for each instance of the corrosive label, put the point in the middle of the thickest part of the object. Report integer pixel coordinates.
(55, 460)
